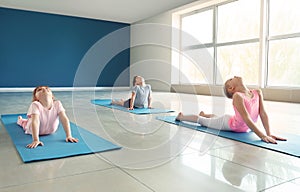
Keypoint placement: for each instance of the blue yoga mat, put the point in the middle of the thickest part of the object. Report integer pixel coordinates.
(55, 145)
(290, 147)
(138, 111)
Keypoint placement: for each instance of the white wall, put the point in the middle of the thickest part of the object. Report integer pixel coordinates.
(150, 54)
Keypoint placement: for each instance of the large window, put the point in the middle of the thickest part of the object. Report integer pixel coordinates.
(232, 33)
(284, 43)
(238, 59)
(197, 32)
(237, 40)
(238, 20)
(199, 25)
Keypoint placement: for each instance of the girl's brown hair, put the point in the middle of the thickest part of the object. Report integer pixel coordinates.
(35, 90)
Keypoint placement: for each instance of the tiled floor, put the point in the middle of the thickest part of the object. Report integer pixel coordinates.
(155, 156)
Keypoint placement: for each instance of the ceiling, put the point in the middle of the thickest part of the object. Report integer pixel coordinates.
(125, 11)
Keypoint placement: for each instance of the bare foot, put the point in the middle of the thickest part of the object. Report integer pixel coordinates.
(19, 122)
(179, 116)
(115, 102)
(202, 114)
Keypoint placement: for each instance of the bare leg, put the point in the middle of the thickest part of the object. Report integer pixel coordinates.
(190, 118)
(206, 115)
(115, 102)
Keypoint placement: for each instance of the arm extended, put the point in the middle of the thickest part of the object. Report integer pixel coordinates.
(238, 102)
(35, 132)
(66, 125)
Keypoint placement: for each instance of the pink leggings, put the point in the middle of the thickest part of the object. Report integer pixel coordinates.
(22, 123)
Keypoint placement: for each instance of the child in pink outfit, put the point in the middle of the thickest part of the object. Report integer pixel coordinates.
(48, 118)
(44, 115)
(248, 106)
(236, 122)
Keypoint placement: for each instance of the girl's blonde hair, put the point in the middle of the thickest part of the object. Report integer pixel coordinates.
(134, 79)
(226, 92)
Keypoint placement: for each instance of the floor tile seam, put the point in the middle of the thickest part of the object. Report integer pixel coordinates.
(57, 178)
(242, 164)
(259, 171)
(172, 157)
(136, 179)
(216, 148)
(282, 183)
(251, 168)
(124, 170)
(194, 151)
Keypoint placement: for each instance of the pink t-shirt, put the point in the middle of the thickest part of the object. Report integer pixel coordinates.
(49, 119)
(236, 122)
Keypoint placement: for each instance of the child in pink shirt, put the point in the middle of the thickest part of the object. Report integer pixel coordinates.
(247, 104)
(44, 115)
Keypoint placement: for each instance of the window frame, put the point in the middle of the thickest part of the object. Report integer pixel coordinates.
(264, 39)
(270, 38)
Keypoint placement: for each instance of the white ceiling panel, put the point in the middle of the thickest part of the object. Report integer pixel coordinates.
(126, 11)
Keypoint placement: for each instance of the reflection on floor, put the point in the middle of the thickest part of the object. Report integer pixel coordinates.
(155, 156)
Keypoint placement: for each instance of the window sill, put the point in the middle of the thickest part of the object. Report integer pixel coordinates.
(270, 93)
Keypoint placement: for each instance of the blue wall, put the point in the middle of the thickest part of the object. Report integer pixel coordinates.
(46, 49)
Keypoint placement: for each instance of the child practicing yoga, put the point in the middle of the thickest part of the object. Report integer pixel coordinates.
(247, 104)
(44, 115)
(140, 95)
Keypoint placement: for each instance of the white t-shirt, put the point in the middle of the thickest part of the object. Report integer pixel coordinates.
(49, 119)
